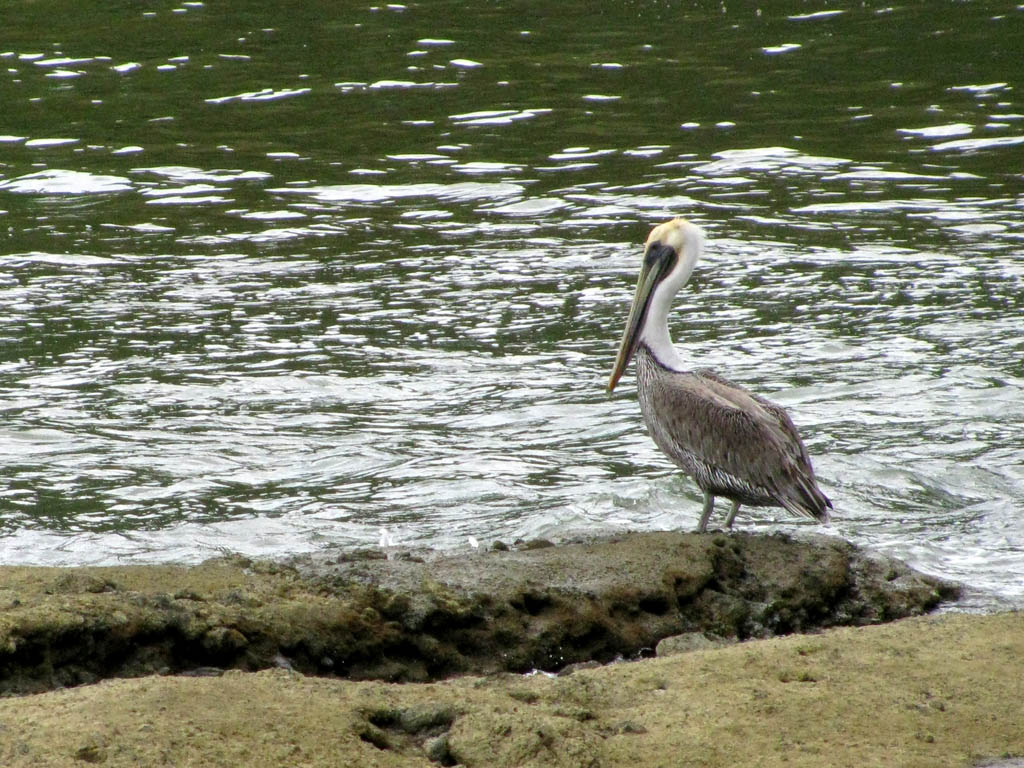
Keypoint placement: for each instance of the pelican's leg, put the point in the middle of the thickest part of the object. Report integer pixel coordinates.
(732, 514)
(709, 507)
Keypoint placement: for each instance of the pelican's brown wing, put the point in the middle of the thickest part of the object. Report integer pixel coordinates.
(734, 443)
(816, 501)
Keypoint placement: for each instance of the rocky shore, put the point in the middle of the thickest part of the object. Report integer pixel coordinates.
(235, 662)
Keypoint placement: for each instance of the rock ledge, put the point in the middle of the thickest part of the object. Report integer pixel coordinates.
(421, 618)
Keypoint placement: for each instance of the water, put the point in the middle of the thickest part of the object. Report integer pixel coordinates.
(275, 279)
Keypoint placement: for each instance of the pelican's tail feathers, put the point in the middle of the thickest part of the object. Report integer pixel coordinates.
(806, 499)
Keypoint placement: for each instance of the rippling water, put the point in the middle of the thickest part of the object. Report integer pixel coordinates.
(273, 282)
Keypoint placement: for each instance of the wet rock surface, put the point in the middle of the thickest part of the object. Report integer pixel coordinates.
(428, 616)
(548, 607)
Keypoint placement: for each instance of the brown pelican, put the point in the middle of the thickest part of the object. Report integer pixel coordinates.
(732, 442)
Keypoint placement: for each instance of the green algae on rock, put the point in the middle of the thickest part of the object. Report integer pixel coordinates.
(437, 615)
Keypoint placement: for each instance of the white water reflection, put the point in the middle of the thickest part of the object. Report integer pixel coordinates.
(264, 94)
(975, 145)
(47, 143)
(62, 182)
(497, 116)
(375, 193)
(939, 131)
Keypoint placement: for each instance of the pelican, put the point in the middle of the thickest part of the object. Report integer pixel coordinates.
(732, 442)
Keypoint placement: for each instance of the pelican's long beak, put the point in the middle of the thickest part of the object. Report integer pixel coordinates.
(658, 260)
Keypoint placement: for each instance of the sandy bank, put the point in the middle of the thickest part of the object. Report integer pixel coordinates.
(933, 691)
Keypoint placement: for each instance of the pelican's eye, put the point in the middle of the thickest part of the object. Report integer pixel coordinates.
(653, 253)
(660, 256)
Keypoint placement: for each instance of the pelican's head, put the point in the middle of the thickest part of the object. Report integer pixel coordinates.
(671, 251)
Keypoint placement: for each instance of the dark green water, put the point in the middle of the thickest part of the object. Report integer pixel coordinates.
(279, 276)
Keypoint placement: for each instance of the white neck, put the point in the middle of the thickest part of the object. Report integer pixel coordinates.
(656, 337)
